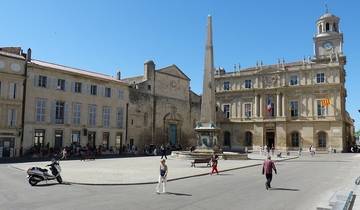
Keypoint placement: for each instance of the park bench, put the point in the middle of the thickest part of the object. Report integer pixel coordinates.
(201, 160)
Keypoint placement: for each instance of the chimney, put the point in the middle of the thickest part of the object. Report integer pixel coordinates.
(28, 55)
(149, 69)
(118, 75)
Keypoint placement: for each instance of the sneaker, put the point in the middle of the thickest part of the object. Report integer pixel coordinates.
(267, 187)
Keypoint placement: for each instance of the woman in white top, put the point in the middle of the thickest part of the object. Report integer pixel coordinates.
(162, 177)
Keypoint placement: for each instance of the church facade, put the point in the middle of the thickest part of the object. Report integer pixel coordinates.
(289, 105)
(162, 108)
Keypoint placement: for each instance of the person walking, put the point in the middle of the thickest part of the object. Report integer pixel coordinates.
(214, 163)
(64, 154)
(268, 167)
(163, 152)
(162, 177)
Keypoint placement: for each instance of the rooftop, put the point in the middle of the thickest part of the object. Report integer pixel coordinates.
(74, 70)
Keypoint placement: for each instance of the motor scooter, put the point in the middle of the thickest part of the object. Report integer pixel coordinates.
(37, 174)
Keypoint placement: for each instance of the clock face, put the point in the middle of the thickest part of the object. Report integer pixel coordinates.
(328, 45)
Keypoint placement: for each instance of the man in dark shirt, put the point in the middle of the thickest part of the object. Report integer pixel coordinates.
(268, 166)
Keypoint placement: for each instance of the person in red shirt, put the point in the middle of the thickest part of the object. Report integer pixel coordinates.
(267, 169)
(214, 161)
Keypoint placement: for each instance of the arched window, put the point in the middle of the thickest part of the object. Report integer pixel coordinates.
(320, 29)
(334, 27)
(248, 138)
(322, 139)
(227, 141)
(327, 27)
(295, 139)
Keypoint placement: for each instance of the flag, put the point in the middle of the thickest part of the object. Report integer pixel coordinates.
(269, 107)
(325, 102)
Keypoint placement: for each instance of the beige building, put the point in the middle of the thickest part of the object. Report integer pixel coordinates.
(162, 108)
(66, 106)
(289, 105)
(12, 65)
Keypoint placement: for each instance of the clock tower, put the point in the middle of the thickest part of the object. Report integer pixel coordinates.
(328, 39)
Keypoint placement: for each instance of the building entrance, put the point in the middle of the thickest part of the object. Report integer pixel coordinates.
(172, 134)
(92, 139)
(58, 139)
(7, 146)
(270, 139)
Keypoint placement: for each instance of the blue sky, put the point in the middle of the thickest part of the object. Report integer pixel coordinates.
(105, 36)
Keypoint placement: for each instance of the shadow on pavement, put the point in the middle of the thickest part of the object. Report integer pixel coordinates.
(319, 161)
(51, 184)
(46, 184)
(179, 194)
(286, 189)
(222, 174)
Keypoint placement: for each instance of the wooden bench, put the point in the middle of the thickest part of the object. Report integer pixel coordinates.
(202, 160)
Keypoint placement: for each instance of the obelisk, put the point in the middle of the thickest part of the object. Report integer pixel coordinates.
(208, 97)
(206, 127)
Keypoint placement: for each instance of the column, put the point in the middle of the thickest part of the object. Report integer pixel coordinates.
(283, 105)
(261, 106)
(278, 105)
(256, 106)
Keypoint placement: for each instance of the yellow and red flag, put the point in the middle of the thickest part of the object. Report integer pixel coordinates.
(325, 102)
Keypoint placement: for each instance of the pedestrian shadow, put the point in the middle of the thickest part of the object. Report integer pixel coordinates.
(285, 189)
(178, 194)
(222, 174)
(202, 167)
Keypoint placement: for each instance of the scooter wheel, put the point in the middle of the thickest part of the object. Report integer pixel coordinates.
(59, 179)
(32, 181)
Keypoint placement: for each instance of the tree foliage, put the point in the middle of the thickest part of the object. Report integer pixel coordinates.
(357, 133)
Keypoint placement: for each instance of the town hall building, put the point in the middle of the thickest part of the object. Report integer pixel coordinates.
(289, 105)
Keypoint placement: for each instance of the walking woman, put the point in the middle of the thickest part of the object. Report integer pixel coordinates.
(162, 177)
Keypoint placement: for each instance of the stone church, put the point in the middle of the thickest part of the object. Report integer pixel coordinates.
(162, 108)
(289, 105)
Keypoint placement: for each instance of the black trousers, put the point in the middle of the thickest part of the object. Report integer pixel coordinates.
(268, 179)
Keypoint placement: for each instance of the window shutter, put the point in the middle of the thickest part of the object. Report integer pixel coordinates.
(88, 89)
(9, 117)
(15, 117)
(102, 90)
(52, 83)
(73, 87)
(36, 80)
(66, 113)
(52, 112)
(11, 90)
(49, 83)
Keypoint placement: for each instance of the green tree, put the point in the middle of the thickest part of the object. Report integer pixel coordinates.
(357, 133)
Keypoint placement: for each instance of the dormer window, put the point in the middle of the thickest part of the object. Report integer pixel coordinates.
(294, 80)
(248, 83)
(226, 85)
(320, 78)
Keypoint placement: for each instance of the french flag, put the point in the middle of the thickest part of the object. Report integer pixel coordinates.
(269, 107)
